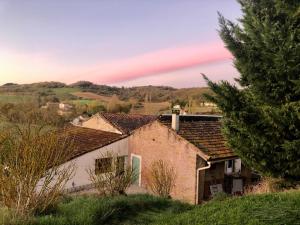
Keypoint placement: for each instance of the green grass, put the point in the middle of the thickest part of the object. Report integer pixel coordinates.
(15, 98)
(268, 209)
(135, 209)
(273, 209)
(65, 90)
(85, 102)
(64, 93)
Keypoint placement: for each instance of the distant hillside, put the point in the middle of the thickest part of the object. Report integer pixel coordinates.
(141, 93)
(143, 99)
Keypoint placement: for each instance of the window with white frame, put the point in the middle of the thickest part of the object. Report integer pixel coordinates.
(233, 166)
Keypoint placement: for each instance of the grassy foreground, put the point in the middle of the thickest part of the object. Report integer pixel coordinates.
(279, 208)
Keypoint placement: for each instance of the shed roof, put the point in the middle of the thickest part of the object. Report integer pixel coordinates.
(127, 123)
(204, 131)
(86, 140)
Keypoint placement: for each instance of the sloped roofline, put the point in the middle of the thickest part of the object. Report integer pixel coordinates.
(111, 123)
(202, 154)
(68, 132)
(118, 127)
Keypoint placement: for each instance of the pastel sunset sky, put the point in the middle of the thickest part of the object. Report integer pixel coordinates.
(114, 42)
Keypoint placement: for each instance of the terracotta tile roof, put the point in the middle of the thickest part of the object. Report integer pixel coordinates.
(204, 132)
(87, 140)
(127, 123)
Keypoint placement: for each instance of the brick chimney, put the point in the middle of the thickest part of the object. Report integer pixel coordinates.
(175, 117)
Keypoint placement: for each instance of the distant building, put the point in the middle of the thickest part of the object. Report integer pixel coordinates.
(192, 144)
(89, 147)
(118, 122)
(78, 121)
(62, 108)
(65, 106)
(51, 105)
(195, 147)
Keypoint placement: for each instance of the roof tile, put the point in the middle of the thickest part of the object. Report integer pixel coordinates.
(202, 131)
(127, 123)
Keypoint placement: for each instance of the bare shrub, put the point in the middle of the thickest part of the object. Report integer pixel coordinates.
(266, 185)
(162, 178)
(111, 176)
(31, 178)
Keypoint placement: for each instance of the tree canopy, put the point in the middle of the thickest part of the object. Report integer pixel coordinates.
(262, 111)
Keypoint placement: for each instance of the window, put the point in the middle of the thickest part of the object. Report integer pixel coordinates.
(233, 166)
(237, 165)
(229, 166)
(120, 167)
(103, 165)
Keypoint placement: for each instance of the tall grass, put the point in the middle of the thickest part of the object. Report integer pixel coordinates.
(135, 209)
(264, 209)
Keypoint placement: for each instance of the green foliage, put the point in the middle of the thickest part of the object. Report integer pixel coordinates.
(181, 102)
(221, 196)
(135, 209)
(262, 118)
(24, 113)
(267, 209)
(6, 98)
(96, 109)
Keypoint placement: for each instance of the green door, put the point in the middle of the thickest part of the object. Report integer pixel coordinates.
(136, 167)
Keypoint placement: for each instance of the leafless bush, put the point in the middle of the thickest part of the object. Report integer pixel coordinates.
(162, 178)
(266, 185)
(111, 176)
(31, 178)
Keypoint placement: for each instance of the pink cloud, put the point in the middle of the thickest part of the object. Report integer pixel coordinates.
(158, 62)
(27, 67)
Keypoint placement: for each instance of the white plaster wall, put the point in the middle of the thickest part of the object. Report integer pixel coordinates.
(87, 161)
(98, 123)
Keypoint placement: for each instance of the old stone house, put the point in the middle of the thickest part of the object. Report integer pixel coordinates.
(194, 146)
(118, 122)
(91, 148)
(97, 141)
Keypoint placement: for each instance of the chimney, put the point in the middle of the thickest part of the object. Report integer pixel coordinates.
(175, 117)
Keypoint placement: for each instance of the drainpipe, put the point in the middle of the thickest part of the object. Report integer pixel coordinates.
(197, 180)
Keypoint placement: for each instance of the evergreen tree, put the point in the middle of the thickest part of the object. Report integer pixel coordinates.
(262, 113)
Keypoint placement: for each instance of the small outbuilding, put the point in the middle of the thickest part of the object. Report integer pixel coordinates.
(195, 147)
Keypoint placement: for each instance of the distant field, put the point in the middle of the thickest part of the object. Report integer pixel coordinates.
(12, 98)
(204, 110)
(90, 95)
(64, 93)
(89, 102)
(153, 108)
(65, 90)
(191, 92)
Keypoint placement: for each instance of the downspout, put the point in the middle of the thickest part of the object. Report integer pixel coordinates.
(197, 180)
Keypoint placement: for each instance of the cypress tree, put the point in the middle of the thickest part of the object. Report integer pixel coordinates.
(261, 112)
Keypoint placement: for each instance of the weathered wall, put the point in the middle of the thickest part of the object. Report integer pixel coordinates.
(154, 142)
(214, 175)
(87, 161)
(97, 122)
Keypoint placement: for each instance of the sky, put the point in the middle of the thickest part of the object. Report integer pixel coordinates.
(115, 42)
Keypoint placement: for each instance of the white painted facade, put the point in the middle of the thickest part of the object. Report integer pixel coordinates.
(97, 122)
(87, 161)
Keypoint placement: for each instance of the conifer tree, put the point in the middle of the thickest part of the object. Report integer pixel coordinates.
(262, 111)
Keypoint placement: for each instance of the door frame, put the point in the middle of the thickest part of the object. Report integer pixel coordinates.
(140, 170)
